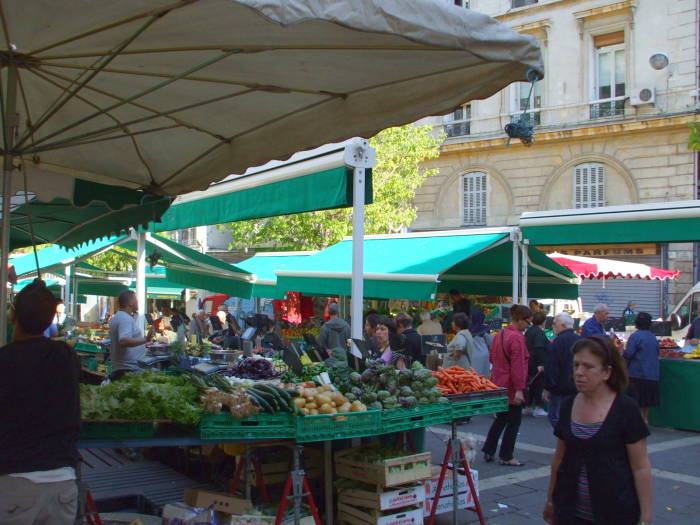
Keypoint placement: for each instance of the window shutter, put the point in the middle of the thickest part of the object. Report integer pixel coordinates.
(474, 199)
(610, 39)
(589, 185)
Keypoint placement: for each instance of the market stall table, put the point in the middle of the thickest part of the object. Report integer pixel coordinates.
(680, 388)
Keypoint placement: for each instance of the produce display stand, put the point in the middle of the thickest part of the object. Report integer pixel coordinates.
(680, 388)
(297, 487)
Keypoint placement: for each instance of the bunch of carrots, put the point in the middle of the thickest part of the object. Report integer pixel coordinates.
(457, 380)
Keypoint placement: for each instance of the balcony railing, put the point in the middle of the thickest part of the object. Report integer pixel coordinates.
(612, 107)
(522, 3)
(457, 129)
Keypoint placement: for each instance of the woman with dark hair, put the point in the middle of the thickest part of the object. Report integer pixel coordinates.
(537, 346)
(509, 357)
(600, 470)
(461, 349)
(386, 336)
(371, 321)
(642, 356)
(482, 341)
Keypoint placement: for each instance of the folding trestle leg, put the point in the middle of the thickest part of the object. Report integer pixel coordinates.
(404, 441)
(243, 467)
(454, 453)
(298, 484)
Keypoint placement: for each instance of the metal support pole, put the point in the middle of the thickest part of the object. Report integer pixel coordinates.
(11, 119)
(524, 268)
(68, 289)
(360, 156)
(297, 483)
(516, 267)
(328, 480)
(141, 275)
(74, 290)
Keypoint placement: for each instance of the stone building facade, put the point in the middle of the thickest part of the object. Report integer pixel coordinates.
(611, 122)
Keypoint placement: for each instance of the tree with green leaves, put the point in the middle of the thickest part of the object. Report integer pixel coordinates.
(117, 259)
(395, 179)
(694, 140)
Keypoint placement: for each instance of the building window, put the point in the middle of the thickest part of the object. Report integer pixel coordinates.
(589, 185)
(457, 123)
(187, 237)
(474, 199)
(519, 101)
(608, 93)
(522, 3)
(459, 3)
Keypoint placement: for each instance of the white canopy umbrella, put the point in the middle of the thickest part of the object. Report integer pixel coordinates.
(171, 97)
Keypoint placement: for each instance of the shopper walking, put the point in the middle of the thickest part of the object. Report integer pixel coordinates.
(509, 358)
(482, 341)
(600, 470)
(559, 367)
(461, 349)
(537, 347)
(643, 367)
(595, 325)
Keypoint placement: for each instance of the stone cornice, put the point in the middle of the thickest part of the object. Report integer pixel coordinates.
(606, 9)
(588, 132)
(527, 10)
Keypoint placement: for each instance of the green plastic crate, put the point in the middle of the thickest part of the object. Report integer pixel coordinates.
(338, 426)
(402, 419)
(259, 426)
(476, 407)
(117, 429)
(89, 348)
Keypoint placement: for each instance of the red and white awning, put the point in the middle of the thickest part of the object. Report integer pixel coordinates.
(592, 268)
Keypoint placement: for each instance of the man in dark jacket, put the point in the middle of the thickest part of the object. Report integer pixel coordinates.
(559, 367)
(412, 340)
(39, 417)
(334, 333)
(537, 346)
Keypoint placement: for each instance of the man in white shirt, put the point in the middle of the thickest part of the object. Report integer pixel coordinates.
(126, 334)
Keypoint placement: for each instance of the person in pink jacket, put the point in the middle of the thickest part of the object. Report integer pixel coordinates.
(509, 357)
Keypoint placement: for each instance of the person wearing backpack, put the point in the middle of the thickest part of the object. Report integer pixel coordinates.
(334, 333)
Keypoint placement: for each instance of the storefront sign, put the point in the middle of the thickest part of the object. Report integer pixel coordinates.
(604, 250)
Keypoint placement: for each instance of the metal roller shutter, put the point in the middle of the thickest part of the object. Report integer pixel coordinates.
(617, 292)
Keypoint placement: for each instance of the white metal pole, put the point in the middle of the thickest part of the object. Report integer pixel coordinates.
(74, 290)
(10, 125)
(360, 156)
(523, 263)
(67, 289)
(516, 267)
(141, 273)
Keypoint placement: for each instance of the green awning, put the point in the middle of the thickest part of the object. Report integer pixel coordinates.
(657, 222)
(185, 267)
(238, 199)
(56, 257)
(89, 211)
(264, 265)
(418, 266)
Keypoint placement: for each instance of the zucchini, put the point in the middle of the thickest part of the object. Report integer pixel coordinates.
(260, 401)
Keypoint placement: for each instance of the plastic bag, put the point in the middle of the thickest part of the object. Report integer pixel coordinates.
(181, 514)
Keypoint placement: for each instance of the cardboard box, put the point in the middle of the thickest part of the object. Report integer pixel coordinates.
(432, 482)
(251, 519)
(358, 516)
(445, 503)
(383, 500)
(221, 501)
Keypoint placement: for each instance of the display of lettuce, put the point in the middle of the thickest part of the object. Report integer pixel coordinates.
(144, 396)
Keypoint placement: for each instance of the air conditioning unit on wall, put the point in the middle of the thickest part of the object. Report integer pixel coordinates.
(642, 96)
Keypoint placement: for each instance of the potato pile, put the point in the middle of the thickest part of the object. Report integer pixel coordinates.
(324, 400)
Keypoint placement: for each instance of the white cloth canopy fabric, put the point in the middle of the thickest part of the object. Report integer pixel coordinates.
(171, 96)
(594, 268)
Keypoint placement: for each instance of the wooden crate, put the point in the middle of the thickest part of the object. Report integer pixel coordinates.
(383, 499)
(389, 473)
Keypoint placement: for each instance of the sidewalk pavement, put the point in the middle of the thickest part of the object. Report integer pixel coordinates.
(516, 495)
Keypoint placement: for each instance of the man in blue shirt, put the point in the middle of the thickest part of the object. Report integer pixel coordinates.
(594, 325)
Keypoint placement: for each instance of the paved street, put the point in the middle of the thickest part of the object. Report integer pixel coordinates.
(515, 496)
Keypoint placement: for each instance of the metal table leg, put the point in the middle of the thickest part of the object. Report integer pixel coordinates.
(328, 480)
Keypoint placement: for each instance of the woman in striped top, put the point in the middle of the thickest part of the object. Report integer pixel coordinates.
(600, 471)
